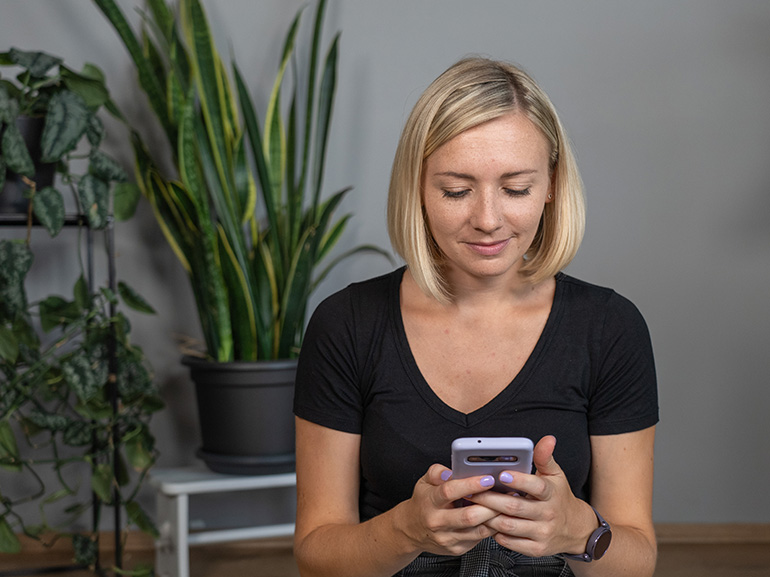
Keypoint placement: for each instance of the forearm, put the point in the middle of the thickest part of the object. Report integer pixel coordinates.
(378, 547)
(633, 553)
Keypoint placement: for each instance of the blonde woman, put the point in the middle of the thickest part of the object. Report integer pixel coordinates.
(480, 334)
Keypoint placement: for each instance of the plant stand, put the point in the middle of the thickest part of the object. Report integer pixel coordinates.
(79, 220)
(174, 486)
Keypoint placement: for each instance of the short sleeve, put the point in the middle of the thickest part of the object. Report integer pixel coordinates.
(327, 388)
(624, 397)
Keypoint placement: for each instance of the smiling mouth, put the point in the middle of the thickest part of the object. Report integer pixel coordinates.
(489, 249)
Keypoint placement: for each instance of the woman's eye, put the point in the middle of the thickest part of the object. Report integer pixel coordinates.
(455, 193)
(515, 192)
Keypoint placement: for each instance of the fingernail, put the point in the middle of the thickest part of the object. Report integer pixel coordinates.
(506, 477)
(487, 481)
(446, 475)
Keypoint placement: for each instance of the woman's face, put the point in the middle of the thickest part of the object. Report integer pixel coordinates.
(484, 192)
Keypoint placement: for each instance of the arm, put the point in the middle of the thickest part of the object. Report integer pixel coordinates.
(330, 539)
(552, 520)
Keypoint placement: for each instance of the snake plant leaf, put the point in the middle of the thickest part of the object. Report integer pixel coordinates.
(9, 346)
(48, 206)
(211, 291)
(94, 197)
(311, 80)
(133, 299)
(125, 200)
(37, 63)
(325, 104)
(9, 450)
(15, 152)
(210, 84)
(9, 542)
(147, 79)
(105, 167)
(67, 120)
(15, 262)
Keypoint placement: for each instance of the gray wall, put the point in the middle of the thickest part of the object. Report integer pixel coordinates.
(666, 103)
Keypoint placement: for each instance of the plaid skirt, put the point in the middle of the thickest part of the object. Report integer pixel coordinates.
(487, 559)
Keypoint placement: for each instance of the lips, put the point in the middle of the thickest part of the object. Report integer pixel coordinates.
(489, 248)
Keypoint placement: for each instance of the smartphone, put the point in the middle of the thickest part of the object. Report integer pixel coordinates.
(474, 456)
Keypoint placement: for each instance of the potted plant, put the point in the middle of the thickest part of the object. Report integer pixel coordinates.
(75, 394)
(252, 259)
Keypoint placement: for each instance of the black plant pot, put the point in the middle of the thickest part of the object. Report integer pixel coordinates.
(245, 410)
(12, 198)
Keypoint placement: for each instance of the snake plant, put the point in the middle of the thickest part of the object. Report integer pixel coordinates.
(244, 212)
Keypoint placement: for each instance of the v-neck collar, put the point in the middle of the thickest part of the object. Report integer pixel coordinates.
(502, 398)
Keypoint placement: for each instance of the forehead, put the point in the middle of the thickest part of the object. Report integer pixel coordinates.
(511, 138)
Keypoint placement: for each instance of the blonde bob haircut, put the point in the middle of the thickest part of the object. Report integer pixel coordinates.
(469, 93)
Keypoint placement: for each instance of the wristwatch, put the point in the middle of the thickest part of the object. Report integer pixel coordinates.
(598, 542)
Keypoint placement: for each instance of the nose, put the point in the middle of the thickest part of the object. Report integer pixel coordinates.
(487, 215)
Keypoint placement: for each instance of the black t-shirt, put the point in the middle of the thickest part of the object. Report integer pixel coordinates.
(591, 373)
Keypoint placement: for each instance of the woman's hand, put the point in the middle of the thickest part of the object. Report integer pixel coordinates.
(436, 524)
(549, 520)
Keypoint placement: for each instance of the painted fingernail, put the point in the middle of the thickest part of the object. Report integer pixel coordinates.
(506, 477)
(446, 475)
(487, 481)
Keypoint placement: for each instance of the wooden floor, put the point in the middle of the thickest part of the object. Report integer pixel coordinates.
(274, 559)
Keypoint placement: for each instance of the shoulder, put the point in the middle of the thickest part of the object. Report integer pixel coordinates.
(581, 295)
(357, 305)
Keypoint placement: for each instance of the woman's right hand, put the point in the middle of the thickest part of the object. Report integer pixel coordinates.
(433, 520)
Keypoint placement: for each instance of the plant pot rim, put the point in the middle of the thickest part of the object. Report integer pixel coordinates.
(272, 364)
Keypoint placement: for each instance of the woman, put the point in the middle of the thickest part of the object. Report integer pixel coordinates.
(479, 335)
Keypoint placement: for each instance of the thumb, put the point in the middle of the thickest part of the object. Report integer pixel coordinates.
(543, 456)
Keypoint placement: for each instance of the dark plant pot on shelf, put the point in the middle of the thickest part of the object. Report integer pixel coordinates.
(245, 410)
(12, 198)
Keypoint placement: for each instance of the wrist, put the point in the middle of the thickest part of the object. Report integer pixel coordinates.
(596, 543)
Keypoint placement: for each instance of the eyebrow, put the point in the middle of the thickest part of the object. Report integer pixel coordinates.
(471, 177)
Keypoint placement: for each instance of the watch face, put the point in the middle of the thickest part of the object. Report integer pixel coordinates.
(602, 544)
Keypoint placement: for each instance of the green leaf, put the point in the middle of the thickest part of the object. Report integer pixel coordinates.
(38, 63)
(101, 482)
(81, 293)
(15, 151)
(9, 451)
(55, 311)
(94, 196)
(134, 299)
(125, 199)
(67, 120)
(9, 346)
(9, 542)
(86, 549)
(15, 262)
(139, 453)
(139, 518)
(48, 205)
(77, 434)
(3, 168)
(89, 86)
(105, 168)
(9, 107)
(84, 376)
(95, 131)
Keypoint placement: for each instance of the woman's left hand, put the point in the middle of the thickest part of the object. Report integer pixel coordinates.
(550, 519)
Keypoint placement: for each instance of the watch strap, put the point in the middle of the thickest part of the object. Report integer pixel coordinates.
(601, 537)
